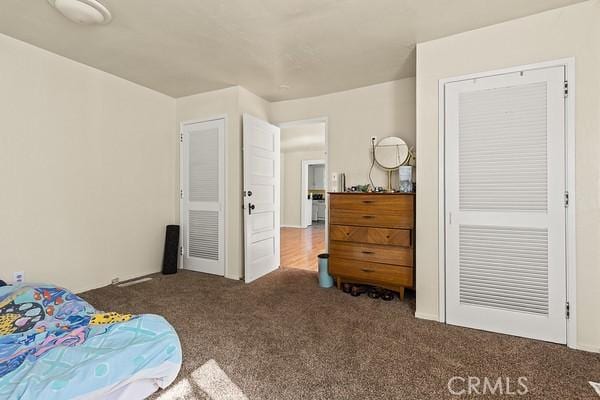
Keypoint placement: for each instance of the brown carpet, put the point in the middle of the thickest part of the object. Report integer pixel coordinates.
(283, 337)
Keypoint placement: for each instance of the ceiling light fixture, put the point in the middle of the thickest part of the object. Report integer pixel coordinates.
(85, 12)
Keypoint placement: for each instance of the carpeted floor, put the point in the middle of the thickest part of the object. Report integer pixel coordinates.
(283, 337)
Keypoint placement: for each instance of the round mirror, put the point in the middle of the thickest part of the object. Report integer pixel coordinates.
(391, 152)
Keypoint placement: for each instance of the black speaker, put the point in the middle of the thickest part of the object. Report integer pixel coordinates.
(171, 250)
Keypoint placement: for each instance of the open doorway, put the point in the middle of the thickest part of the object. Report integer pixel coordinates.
(303, 192)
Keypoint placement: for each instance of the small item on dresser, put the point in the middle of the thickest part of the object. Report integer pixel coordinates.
(359, 188)
(342, 181)
(405, 174)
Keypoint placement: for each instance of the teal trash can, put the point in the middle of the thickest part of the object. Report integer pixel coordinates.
(325, 280)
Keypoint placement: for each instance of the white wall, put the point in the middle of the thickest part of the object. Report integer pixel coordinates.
(571, 31)
(94, 161)
(354, 116)
(87, 171)
(291, 183)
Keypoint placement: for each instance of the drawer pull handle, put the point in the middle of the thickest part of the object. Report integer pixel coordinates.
(366, 270)
(368, 216)
(367, 201)
(368, 252)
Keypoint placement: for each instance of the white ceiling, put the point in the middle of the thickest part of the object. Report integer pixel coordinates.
(303, 137)
(182, 47)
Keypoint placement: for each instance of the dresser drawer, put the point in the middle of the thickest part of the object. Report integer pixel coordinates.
(398, 237)
(371, 252)
(372, 218)
(374, 203)
(371, 272)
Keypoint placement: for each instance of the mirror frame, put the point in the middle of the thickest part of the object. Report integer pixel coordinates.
(403, 162)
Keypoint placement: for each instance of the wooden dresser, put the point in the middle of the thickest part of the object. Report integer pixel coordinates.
(372, 239)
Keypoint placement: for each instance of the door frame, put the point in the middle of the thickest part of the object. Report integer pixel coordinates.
(181, 184)
(304, 184)
(570, 234)
(325, 120)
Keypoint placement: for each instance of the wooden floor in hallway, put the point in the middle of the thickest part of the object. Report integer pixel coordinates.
(300, 247)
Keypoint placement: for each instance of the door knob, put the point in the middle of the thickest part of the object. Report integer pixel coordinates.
(250, 208)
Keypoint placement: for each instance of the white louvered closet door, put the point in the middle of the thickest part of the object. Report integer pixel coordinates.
(203, 196)
(505, 215)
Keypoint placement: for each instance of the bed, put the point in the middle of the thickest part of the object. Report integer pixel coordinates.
(54, 345)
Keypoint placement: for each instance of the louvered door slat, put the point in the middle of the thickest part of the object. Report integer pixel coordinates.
(494, 248)
(204, 234)
(204, 165)
(503, 114)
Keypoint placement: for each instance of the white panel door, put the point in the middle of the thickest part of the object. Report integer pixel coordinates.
(261, 197)
(203, 196)
(505, 215)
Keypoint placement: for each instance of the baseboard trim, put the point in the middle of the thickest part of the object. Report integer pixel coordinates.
(429, 317)
(587, 347)
(235, 277)
(292, 226)
(122, 279)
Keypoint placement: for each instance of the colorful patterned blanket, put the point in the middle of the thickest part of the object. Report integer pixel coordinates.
(54, 345)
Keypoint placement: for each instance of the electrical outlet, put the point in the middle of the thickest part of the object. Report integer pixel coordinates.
(373, 140)
(19, 277)
(115, 281)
